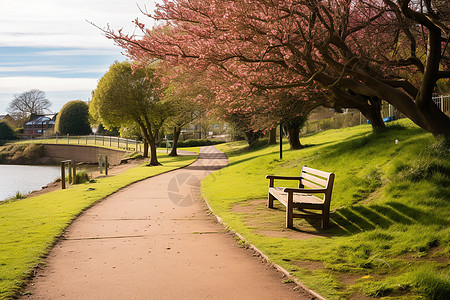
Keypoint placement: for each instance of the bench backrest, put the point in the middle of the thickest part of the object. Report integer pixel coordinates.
(316, 179)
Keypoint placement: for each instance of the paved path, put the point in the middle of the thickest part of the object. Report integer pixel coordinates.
(155, 240)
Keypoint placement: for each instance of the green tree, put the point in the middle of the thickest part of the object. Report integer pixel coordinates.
(180, 95)
(73, 118)
(6, 132)
(127, 96)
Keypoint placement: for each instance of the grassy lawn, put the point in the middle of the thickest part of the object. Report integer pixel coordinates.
(389, 234)
(29, 227)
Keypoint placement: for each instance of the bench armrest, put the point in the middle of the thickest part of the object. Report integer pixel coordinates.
(305, 191)
(283, 177)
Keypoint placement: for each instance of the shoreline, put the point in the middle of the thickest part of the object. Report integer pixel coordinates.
(114, 170)
(56, 184)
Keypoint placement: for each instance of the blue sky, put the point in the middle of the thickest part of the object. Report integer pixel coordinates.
(51, 46)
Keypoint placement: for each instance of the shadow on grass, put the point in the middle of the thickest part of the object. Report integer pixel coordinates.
(351, 220)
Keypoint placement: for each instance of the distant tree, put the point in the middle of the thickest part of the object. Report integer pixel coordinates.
(6, 132)
(73, 118)
(27, 103)
(125, 96)
(183, 88)
(113, 131)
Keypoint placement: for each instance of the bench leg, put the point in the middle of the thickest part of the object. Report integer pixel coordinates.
(290, 211)
(270, 201)
(325, 219)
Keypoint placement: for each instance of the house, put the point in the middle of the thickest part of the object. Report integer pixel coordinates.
(38, 125)
(8, 119)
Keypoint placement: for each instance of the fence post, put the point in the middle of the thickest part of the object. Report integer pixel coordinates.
(100, 163)
(126, 145)
(103, 140)
(118, 142)
(68, 142)
(110, 141)
(106, 165)
(70, 171)
(74, 171)
(63, 175)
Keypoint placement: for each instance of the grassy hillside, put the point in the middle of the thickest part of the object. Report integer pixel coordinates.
(389, 232)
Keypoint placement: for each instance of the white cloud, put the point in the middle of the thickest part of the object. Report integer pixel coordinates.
(62, 23)
(79, 52)
(48, 68)
(46, 84)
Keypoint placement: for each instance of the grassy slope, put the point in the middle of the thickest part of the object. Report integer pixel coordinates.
(29, 227)
(389, 234)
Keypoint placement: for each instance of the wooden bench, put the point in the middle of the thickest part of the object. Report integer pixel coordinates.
(311, 182)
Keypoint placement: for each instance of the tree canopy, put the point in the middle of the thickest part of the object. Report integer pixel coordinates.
(27, 103)
(126, 95)
(73, 119)
(354, 53)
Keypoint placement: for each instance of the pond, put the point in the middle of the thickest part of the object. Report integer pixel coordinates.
(25, 179)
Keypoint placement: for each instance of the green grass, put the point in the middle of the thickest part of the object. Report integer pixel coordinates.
(389, 211)
(29, 227)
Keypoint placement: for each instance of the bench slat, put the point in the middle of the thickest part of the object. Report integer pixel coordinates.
(311, 185)
(305, 198)
(314, 179)
(297, 197)
(316, 172)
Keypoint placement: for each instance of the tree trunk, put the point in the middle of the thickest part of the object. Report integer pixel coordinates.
(252, 137)
(153, 157)
(176, 136)
(437, 122)
(150, 139)
(293, 136)
(272, 136)
(145, 148)
(374, 117)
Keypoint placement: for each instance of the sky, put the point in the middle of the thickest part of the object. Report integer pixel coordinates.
(50, 45)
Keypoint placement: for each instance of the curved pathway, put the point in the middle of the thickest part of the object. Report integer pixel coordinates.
(155, 240)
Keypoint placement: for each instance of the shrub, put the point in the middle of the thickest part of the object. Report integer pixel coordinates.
(6, 132)
(82, 177)
(73, 119)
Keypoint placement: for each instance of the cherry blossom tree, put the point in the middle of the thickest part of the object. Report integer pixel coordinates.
(360, 52)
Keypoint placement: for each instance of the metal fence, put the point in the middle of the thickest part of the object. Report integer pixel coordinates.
(350, 119)
(443, 102)
(96, 140)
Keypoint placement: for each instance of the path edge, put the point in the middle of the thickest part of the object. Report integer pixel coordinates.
(264, 256)
(33, 271)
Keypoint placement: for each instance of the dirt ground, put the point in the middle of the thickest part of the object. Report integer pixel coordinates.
(156, 240)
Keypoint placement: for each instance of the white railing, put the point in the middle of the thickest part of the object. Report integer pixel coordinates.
(443, 102)
(96, 140)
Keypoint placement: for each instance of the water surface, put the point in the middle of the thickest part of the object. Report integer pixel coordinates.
(25, 179)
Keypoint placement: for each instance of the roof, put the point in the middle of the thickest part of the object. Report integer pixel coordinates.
(43, 119)
(6, 117)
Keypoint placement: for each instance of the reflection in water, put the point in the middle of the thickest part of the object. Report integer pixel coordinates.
(25, 179)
